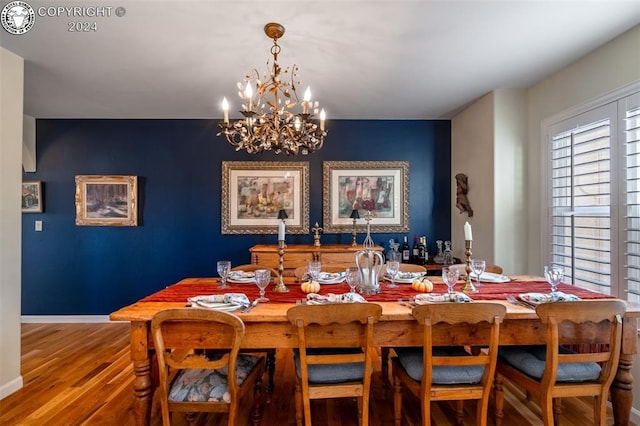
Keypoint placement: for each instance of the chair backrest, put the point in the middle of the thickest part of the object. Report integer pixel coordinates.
(335, 325)
(177, 332)
(565, 320)
(483, 319)
(250, 267)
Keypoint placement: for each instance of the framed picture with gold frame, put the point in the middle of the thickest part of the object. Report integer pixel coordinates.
(106, 200)
(254, 191)
(381, 187)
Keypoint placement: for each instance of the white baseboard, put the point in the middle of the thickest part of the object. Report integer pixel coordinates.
(11, 387)
(635, 416)
(64, 318)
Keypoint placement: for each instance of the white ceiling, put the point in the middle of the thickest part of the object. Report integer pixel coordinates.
(362, 59)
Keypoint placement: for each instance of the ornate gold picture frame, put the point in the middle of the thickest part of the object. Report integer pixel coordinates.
(254, 191)
(381, 187)
(106, 200)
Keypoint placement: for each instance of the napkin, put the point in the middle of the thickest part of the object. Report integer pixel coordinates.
(557, 296)
(455, 297)
(317, 299)
(214, 300)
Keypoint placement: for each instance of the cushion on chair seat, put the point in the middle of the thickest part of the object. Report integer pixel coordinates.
(411, 361)
(531, 361)
(331, 373)
(197, 384)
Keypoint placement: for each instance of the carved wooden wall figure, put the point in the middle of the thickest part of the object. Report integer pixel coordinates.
(462, 187)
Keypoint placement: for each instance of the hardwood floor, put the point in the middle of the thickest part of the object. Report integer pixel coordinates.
(80, 374)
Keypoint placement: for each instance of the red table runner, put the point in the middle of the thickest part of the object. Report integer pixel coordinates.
(191, 287)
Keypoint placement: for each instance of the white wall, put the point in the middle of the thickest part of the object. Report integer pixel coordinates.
(11, 110)
(487, 141)
(472, 137)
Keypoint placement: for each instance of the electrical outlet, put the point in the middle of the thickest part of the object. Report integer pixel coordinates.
(38, 225)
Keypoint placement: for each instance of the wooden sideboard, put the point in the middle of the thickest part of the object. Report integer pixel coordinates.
(296, 255)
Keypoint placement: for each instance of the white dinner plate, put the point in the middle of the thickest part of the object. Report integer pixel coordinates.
(406, 277)
(240, 277)
(330, 277)
(218, 306)
(490, 277)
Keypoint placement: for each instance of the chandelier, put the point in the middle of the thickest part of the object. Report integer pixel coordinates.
(270, 121)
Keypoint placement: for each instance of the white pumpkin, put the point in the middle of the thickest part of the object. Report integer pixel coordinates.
(310, 286)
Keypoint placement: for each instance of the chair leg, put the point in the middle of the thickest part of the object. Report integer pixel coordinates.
(256, 412)
(384, 357)
(600, 410)
(546, 405)
(499, 397)
(363, 419)
(482, 410)
(460, 412)
(271, 371)
(299, 413)
(557, 410)
(397, 401)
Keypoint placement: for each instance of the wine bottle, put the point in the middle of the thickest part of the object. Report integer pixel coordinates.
(422, 247)
(415, 252)
(406, 254)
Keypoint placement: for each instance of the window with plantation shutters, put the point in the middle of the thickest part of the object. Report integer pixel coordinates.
(631, 126)
(581, 204)
(593, 175)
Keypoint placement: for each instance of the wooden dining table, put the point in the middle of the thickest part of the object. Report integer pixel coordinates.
(267, 326)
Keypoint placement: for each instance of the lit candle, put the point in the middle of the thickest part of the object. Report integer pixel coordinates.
(248, 93)
(467, 232)
(225, 110)
(322, 117)
(281, 229)
(306, 100)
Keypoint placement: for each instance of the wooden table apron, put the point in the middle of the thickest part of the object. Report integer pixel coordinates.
(267, 327)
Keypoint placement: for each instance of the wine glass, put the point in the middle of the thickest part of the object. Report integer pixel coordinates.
(313, 268)
(450, 277)
(263, 278)
(553, 275)
(223, 266)
(352, 275)
(478, 266)
(393, 267)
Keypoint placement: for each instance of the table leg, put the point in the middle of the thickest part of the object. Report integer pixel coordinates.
(621, 391)
(142, 387)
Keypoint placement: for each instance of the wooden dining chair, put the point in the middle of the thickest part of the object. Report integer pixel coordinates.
(252, 267)
(193, 381)
(334, 354)
(552, 372)
(450, 373)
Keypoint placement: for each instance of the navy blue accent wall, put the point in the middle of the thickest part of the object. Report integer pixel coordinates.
(88, 270)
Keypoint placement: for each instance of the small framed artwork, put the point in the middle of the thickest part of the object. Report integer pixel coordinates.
(106, 200)
(32, 197)
(381, 187)
(253, 192)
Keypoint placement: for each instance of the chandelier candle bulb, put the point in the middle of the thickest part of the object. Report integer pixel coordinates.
(248, 92)
(225, 110)
(307, 99)
(322, 117)
(467, 232)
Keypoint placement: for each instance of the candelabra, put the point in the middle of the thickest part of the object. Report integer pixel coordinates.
(354, 215)
(468, 285)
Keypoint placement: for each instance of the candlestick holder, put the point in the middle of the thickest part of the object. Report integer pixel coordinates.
(468, 285)
(280, 287)
(316, 234)
(355, 216)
